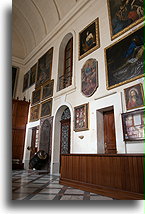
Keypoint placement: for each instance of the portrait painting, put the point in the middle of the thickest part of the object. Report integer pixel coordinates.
(46, 108)
(26, 81)
(124, 59)
(134, 96)
(133, 125)
(34, 113)
(33, 75)
(81, 117)
(124, 14)
(44, 68)
(89, 77)
(89, 39)
(36, 96)
(47, 90)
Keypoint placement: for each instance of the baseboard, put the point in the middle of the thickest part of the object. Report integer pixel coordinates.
(102, 190)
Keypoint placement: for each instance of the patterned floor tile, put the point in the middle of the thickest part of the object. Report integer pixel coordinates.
(71, 197)
(43, 197)
(50, 191)
(99, 197)
(74, 191)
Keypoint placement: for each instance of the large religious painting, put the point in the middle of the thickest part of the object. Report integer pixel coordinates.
(89, 77)
(26, 81)
(36, 95)
(47, 89)
(44, 68)
(124, 59)
(81, 117)
(33, 75)
(133, 125)
(134, 96)
(124, 14)
(89, 39)
(46, 108)
(34, 113)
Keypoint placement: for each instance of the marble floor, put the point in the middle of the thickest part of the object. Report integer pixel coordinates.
(31, 185)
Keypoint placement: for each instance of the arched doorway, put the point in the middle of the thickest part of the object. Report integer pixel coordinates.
(62, 136)
(46, 138)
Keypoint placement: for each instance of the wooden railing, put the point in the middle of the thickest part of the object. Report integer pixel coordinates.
(117, 176)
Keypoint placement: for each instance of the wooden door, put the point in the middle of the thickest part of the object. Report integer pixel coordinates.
(109, 132)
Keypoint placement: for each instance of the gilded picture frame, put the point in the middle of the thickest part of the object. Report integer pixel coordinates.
(34, 113)
(46, 108)
(124, 15)
(47, 90)
(44, 68)
(124, 59)
(81, 117)
(89, 39)
(134, 96)
(36, 96)
(33, 72)
(89, 77)
(26, 81)
(133, 125)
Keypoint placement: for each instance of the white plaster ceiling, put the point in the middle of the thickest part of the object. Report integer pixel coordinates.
(33, 20)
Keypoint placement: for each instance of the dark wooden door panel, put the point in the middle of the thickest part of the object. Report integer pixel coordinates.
(109, 132)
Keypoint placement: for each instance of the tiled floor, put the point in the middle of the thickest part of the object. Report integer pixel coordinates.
(31, 185)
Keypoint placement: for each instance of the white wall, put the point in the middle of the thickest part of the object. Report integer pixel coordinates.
(72, 95)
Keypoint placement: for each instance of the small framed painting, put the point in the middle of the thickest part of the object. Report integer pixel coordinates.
(89, 39)
(81, 118)
(36, 96)
(26, 81)
(47, 90)
(44, 68)
(46, 108)
(133, 125)
(124, 14)
(33, 75)
(134, 96)
(34, 113)
(89, 77)
(124, 59)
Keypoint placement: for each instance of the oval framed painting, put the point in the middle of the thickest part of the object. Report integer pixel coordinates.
(89, 77)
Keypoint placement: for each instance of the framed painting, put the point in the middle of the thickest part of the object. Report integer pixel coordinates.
(46, 108)
(33, 75)
(44, 68)
(26, 81)
(34, 113)
(133, 125)
(47, 90)
(124, 59)
(134, 96)
(89, 39)
(36, 96)
(89, 77)
(81, 117)
(124, 14)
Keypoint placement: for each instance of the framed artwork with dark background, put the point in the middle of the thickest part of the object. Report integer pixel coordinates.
(26, 81)
(134, 96)
(89, 39)
(47, 90)
(46, 108)
(36, 96)
(34, 113)
(124, 59)
(123, 15)
(44, 68)
(33, 71)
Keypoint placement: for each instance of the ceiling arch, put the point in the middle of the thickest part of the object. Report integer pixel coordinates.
(33, 20)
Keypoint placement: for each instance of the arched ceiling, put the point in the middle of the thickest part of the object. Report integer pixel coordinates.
(33, 20)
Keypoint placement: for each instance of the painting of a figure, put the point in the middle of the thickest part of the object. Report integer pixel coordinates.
(89, 77)
(134, 96)
(124, 14)
(133, 125)
(81, 117)
(46, 108)
(34, 113)
(47, 89)
(89, 39)
(33, 74)
(44, 68)
(26, 81)
(36, 96)
(124, 59)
